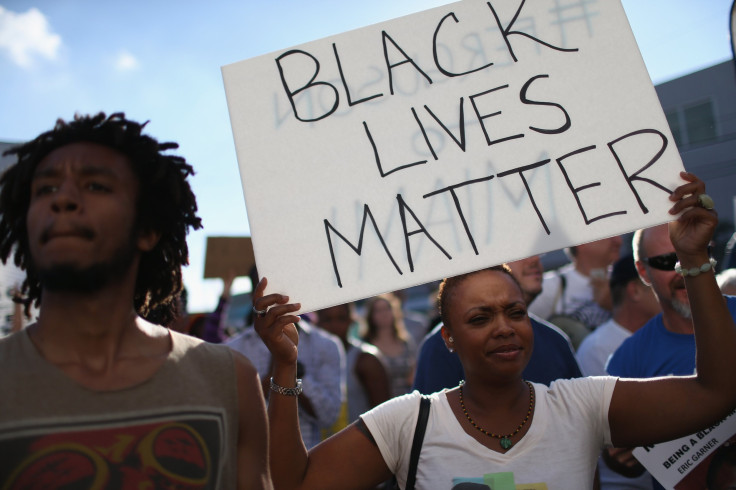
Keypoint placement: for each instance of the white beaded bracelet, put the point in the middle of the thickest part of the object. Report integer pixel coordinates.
(711, 264)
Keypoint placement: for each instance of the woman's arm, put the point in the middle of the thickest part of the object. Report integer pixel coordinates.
(349, 459)
(656, 410)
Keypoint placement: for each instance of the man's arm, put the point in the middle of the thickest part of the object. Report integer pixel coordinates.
(253, 467)
(373, 377)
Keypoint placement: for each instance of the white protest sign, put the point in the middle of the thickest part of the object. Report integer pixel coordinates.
(683, 464)
(446, 141)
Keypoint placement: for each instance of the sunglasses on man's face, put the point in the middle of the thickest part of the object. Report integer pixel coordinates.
(665, 262)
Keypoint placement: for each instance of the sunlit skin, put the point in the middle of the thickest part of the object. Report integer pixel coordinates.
(492, 334)
(529, 273)
(597, 255)
(82, 214)
(668, 286)
(485, 314)
(83, 198)
(490, 327)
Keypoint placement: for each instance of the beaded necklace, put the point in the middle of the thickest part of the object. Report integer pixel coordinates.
(505, 440)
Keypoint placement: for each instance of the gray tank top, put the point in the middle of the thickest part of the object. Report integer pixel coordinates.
(177, 429)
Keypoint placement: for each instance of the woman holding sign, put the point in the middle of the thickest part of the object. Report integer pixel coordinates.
(496, 429)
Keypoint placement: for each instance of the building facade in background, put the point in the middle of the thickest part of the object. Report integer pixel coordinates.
(701, 111)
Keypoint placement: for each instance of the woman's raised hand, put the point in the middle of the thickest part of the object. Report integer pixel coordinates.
(693, 230)
(275, 323)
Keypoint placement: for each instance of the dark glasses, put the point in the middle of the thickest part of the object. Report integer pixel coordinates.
(665, 262)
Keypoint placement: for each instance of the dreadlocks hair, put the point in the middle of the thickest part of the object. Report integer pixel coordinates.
(166, 204)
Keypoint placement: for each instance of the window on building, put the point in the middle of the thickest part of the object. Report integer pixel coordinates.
(693, 124)
(700, 122)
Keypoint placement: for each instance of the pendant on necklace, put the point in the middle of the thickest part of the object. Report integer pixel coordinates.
(506, 442)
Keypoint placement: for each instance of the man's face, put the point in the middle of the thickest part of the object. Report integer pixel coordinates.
(81, 218)
(335, 320)
(668, 286)
(601, 253)
(529, 274)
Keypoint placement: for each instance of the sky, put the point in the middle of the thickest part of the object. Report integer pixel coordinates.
(160, 61)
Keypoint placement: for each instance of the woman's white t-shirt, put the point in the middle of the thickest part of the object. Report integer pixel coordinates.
(559, 451)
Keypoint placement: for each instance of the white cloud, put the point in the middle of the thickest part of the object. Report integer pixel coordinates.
(126, 61)
(23, 36)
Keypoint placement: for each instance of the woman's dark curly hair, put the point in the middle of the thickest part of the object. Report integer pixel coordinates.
(166, 204)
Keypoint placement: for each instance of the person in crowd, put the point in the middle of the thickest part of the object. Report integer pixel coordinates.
(209, 327)
(727, 281)
(19, 317)
(666, 344)
(553, 358)
(214, 325)
(576, 296)
(321, 369)
(497, 425)
(385, 330)
(634, 304)
(367, 381)
(729, 254)
(93, 395)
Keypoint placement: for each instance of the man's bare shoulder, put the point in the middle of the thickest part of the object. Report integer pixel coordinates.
(244, 367)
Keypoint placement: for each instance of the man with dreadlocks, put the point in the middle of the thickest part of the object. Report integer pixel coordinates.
(92, 394)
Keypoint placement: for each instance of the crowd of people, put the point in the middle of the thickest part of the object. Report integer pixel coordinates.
(518, 373)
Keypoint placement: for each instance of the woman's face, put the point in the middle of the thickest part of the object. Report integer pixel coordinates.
(382, 315)
(490, 327)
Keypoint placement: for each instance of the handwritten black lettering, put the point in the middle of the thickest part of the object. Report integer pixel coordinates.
(436, 58)
(636, 175)
(407, 59)
(359, 248)
(506, 32)
(483, 117)
(378, 157)
(578, 190)
(345, 83)
(403, 207)
(458, 207)
(526, 100)
(520, 171)
(461, 125)
(310, 84)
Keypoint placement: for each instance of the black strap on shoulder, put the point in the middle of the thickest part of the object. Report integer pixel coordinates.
(416, 445)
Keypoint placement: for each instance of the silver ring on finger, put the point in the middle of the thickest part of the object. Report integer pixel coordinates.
(705, 201)
(260, 313)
